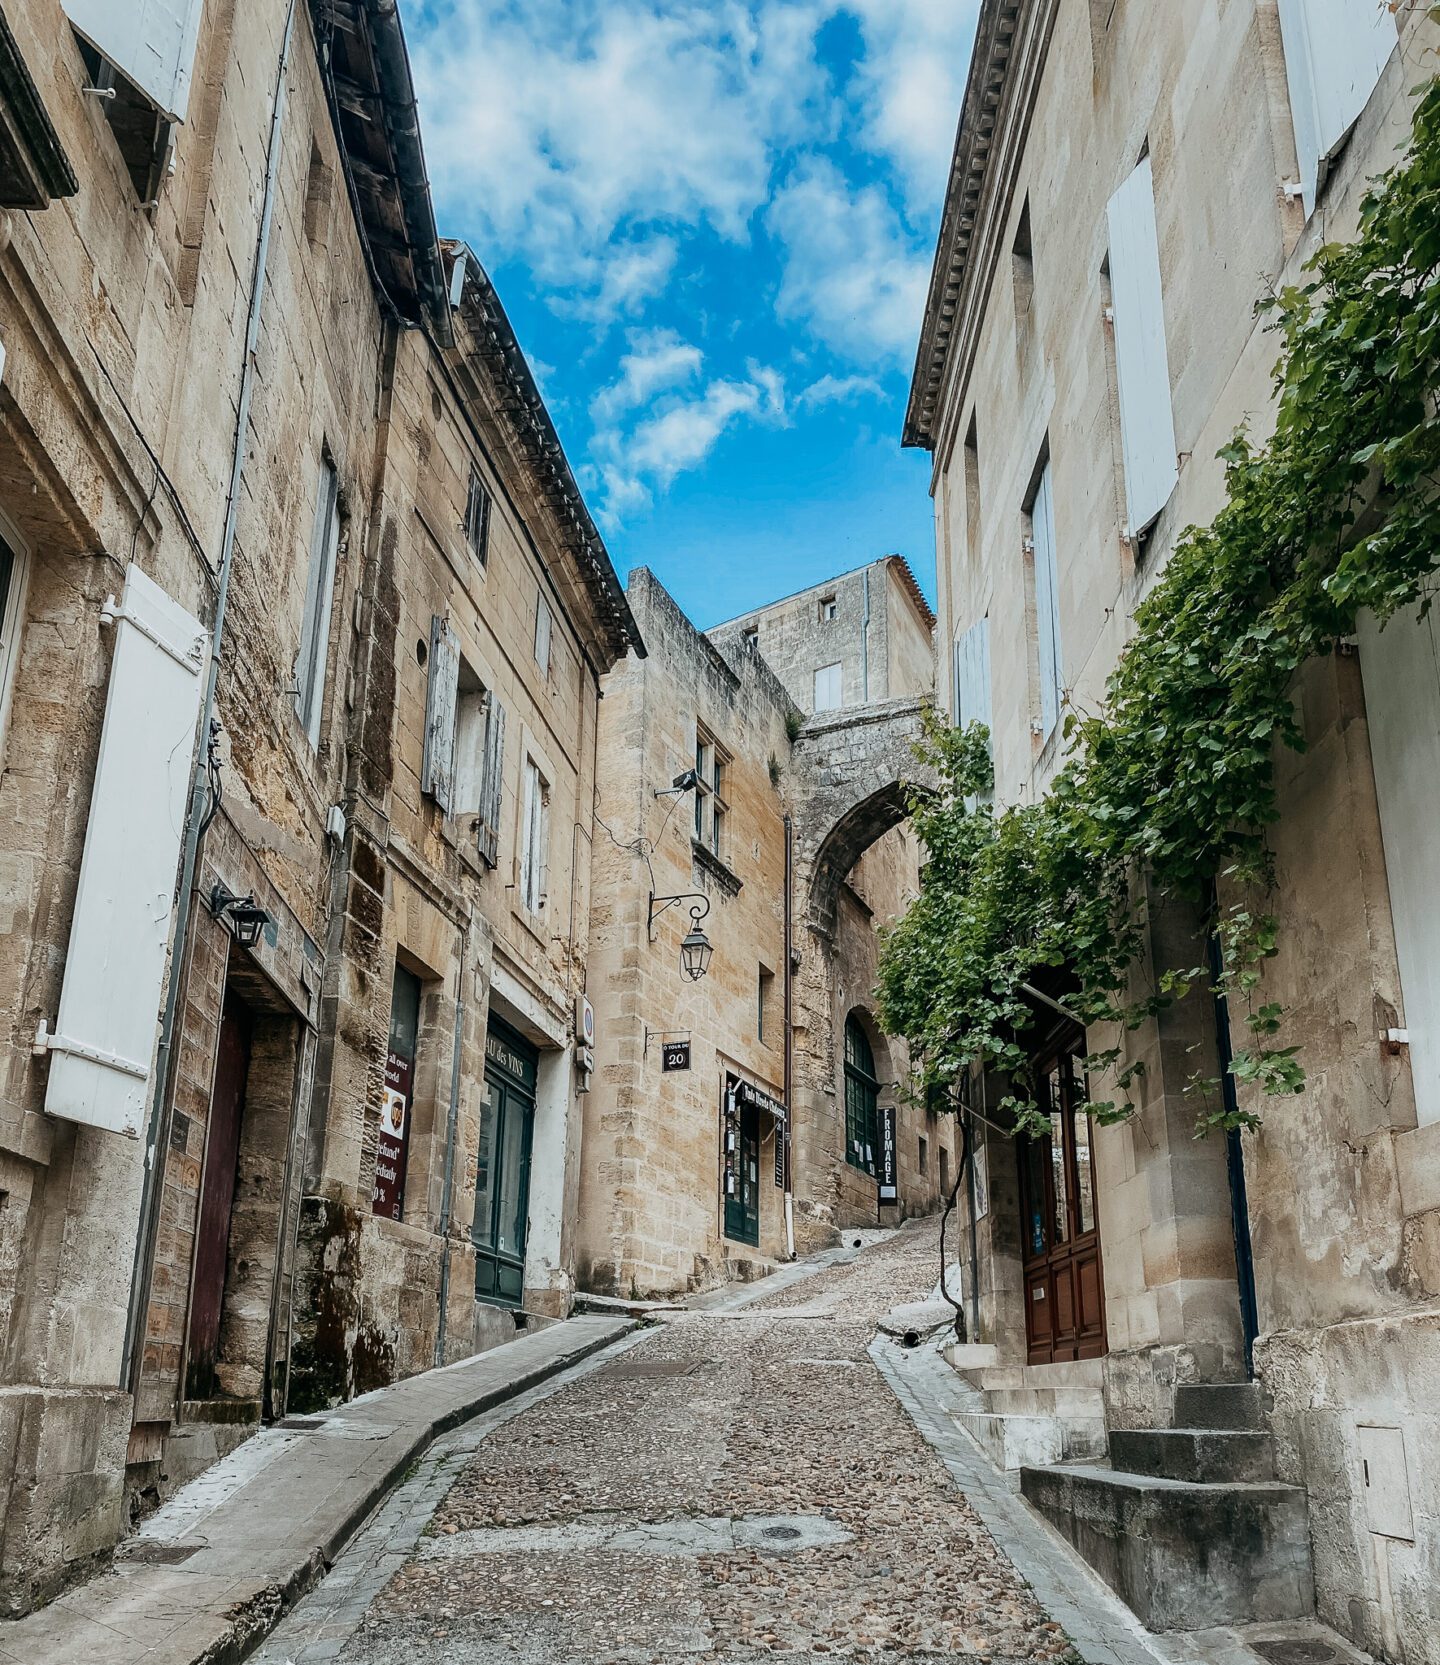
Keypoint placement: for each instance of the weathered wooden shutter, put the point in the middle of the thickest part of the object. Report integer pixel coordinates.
(492, 783)
(1335, 52)
(437, 770)
(972, 675)
(104, 1044)
(151, 41)
(1142, 366)
(1401, 667)
(1047, 605)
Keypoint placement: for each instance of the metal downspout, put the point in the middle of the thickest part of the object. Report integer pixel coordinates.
(446, 1196)
(788, 985)
(165, 1060)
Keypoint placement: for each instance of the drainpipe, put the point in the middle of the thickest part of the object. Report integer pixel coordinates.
(789, 1048)
(165, 1055)
(865, 639)
(447, 1194)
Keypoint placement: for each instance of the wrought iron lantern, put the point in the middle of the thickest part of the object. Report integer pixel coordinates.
(243, 915)
(695, 949)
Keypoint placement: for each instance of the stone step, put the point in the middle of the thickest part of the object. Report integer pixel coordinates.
(1046, 1401)
(1211, 1456)
(1219, 1405)
(1013, 1442)
(1183, 1555)
(1070, 1373)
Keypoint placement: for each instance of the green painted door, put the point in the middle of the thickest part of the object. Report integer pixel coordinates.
(502, 1182)
(742, 1169)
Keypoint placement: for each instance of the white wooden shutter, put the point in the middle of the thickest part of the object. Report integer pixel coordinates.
(542, 636)
(828, 691)
(1401, 666)
(151, 41)
(492, 783)
(437, 769)
(1047, 604)
(1142, 367)
(972, 675)
(1335, 52)
(104, 1042)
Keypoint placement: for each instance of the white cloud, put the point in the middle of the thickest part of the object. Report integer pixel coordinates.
(910, 84)
(836, 390)
(851, 273)
(567, 127)
(657, 360)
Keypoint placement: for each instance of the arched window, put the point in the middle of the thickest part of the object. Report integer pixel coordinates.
(862, 1094)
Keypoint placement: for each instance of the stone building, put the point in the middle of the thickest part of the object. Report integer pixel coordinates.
(738, 1117)
(294, 830)
(1128, 181)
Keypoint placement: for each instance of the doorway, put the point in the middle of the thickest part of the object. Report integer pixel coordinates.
(502, 1177)
(1064, 1295)
(741, 1165)
(217, 1197)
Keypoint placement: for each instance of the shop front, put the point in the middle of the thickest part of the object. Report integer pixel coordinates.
(502, 1181)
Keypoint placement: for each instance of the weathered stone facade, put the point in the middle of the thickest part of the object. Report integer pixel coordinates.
(1018, 394)
(212, 371)
(653, 1212)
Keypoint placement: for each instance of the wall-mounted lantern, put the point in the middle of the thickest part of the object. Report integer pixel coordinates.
(243, 915)
(695, 950)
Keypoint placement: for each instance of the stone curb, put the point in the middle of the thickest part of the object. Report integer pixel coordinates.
(214, 1602)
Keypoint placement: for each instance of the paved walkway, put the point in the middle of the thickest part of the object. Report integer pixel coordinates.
(211, 1572)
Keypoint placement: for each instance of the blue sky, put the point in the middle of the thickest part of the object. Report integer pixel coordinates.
(711, 224)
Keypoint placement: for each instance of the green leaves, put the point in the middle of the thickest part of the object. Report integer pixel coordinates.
(1173, 781)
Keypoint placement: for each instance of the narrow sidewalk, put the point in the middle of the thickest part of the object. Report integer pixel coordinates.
(212, 1572)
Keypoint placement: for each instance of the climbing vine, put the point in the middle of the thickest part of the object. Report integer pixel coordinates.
(1169, 788)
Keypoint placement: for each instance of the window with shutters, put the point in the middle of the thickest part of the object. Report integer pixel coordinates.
(477, 517)
(712, 807)
(1335, 53)
(319, 593)
(828, 695)
(150, 42)
(862, 1099)
(1142, 364)
(542, 635)
(972, 675)
(14, 568)
(1045, 583)
(464, 765)
(534, 838)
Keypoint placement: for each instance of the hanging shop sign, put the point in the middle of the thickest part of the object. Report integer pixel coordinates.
(674, 1055)
(888, 1172)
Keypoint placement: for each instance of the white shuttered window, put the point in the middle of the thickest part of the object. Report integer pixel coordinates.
(437, 765)
(972, 675)
(1335, 51)
(1047, 605)
(828, 688)
(103, 1047)
(534, 838)
(1142, 366)
(152, 42)
(1401, 667)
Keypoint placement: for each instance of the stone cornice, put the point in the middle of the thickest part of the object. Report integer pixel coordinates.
(1011, 40)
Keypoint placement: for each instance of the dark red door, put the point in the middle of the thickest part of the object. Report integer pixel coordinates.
(1064, 1296)
(217, 1198)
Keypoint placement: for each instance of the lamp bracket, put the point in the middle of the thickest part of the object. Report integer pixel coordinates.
(659, 904)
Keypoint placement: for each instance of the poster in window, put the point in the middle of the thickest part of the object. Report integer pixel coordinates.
(387, 1196)
(981, 1170)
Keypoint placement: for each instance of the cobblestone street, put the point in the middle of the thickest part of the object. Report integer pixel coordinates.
(729, 1484)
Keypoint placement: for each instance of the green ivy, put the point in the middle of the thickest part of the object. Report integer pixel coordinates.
(1170, 787)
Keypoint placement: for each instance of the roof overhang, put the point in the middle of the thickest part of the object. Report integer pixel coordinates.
(377, 125)
(1011, 39)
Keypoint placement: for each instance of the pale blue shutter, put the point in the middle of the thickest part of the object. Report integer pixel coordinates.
(972, 679)
(1047, 605)
(1142, 366)
(437, 768)
(151, 41)
(492, 784)
(1335, 52)
(104, 1041)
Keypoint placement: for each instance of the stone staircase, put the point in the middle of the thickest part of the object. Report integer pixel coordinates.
(1188, 1525)
(1035, 1414)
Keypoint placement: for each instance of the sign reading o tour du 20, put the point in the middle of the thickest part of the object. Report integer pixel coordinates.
(675, 1055)
(887, 1174)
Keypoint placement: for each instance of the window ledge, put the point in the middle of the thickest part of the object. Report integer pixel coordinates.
(728, 881)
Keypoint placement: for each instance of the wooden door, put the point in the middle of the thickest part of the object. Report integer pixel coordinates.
(217, 1198)
(502, 1188)
(1064, 1295)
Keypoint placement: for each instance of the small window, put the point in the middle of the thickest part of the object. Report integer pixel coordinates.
(542, 635)
(828, 609)
(534, 838)
(828, 688)
(13, 567)
(944, 1172)
(477, 517)
(924, 1155)
(141, 130)
(1022, 265)
(862, 1099)
(750, 639)
(319, 592)
(765, 984)
(971, 461)
(711, 804)
(1040, 545)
